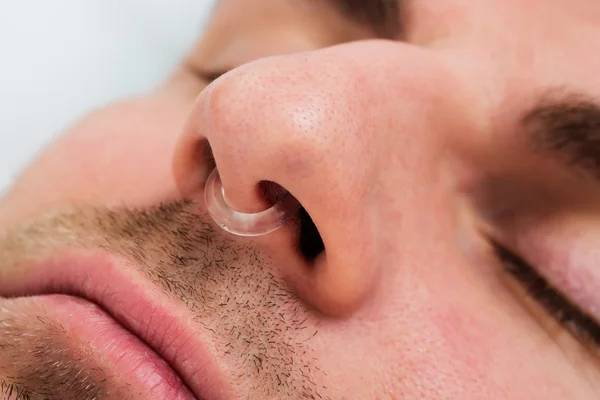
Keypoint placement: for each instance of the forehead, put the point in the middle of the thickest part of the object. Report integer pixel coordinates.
(409, 19)
(521, 32)
(381, 12)
(423, 21)
(546, 43)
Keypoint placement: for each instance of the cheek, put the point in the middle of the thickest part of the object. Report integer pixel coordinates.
(118, 155)
(491, 344)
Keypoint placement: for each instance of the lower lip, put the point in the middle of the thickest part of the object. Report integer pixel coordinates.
(128, 356)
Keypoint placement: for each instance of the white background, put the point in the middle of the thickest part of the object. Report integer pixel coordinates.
(62, 58)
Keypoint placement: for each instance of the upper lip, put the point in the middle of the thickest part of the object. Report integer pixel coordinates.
(102, 279)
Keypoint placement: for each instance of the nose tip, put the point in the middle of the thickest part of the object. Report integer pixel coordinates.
(273, 122)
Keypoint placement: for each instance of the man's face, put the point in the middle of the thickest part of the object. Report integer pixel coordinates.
(452, 174)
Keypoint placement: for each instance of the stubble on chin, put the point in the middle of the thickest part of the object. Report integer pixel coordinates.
(40, 360)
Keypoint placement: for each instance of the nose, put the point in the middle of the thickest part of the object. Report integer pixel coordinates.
(307, 123)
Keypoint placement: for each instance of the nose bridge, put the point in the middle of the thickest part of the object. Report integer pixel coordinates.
(324, 115)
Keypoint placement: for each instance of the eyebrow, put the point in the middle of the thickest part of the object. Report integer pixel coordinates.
(383, 16)
(567, 126)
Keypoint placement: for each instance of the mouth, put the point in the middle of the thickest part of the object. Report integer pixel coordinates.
(103, 303)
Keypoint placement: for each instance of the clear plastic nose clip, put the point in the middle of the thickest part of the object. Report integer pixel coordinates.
(243, 224)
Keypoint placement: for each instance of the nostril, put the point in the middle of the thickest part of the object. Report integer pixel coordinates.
(247, 224)
(192, 163)
(271, 192)
(208, 156)
(310, 242)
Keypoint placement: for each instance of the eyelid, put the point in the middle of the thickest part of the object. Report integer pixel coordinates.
(569, 315)
(560, 239)
(564, 247)
(210, 75)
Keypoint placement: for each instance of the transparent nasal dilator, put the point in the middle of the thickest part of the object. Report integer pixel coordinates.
(243, 224)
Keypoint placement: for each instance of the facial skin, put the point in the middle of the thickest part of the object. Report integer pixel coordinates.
(414, 157)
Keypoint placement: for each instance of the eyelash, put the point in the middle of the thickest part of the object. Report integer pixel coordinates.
(569, 315)
(210, 76)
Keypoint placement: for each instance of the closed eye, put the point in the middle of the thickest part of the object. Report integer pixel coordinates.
(566, 313)
(209, 76)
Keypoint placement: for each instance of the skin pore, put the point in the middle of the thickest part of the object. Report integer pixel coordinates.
(420, 160)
